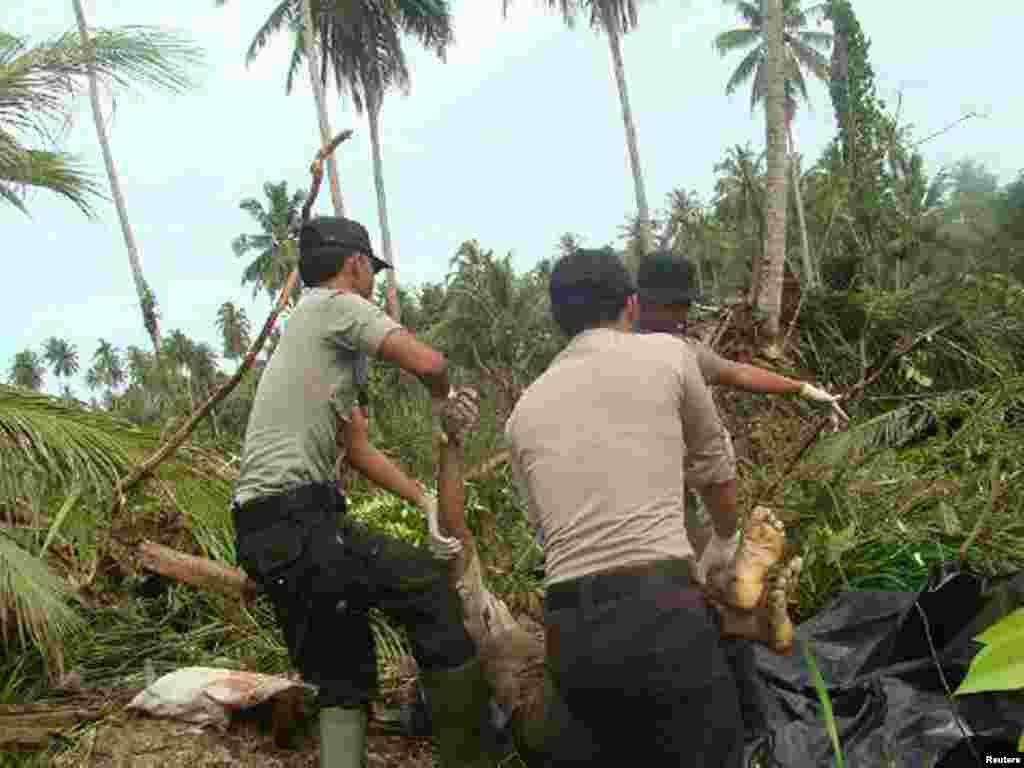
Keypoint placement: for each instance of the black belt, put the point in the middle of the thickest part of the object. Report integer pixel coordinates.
(293, 504)
(618, 583)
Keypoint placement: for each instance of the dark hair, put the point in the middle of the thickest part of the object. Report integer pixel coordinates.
(318, 265)
(589, 288)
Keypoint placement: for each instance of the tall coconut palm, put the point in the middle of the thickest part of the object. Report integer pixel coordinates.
(38, 84)
(802, 51)
(234, 329)
(27, 371)
(773, 268)
(615, 18)
(175, 79)
(360, 43)
(299, 18)
(270, 269)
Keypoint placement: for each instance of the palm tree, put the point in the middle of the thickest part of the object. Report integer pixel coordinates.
(615, 18)
(801, 52)
(773, 268)
(739, 202)
(234, 328)
(175, 80)
(270, 269)
(298, 17)
(107, 367)
(38, 84)
(27, 371)
(361, 43)
(62, 357)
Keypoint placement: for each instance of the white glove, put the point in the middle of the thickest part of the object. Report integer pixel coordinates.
(718, 553)
(812, 392)
(442, 547)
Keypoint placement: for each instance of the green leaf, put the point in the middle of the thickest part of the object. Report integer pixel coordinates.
(1010, 627)
(995, 668)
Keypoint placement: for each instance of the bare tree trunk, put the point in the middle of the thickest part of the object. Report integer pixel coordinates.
(374, 99)
(810, 274)
(313, 60)
(770, 296)
(611, 27)
(146, 300)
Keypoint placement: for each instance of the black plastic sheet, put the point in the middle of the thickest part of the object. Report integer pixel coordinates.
(889, 660)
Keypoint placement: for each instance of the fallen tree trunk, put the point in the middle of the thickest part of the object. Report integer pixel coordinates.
(31, 727)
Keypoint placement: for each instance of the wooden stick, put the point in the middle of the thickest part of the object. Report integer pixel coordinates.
(172, 444)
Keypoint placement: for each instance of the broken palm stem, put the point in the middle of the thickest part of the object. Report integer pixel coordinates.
(172, 444)
(904, 347)
(996, 485)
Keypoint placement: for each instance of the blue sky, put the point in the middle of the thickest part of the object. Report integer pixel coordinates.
(514, 140)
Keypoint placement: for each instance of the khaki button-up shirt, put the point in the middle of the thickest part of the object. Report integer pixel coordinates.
(599, 443)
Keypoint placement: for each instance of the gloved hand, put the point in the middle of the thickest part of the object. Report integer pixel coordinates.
(812, 392)
(442, 547)
(718, 553)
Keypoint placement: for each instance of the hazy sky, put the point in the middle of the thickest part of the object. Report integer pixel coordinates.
(515, 140)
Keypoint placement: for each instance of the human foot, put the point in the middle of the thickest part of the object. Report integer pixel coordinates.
(741, 585)
(769, 622)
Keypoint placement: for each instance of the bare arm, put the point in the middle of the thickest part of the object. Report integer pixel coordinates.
(750, 378)
(374, 465)
(720, 500)
(412, 355)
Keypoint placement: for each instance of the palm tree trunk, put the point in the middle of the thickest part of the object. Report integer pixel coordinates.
(321, 105)
(374, 99)
(146, 302)
(770, 295)
(611, 26)
(810, 275)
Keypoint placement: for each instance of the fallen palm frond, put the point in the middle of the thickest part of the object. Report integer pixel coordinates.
(35, 605)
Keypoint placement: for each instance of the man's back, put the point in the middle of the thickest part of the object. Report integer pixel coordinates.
(600, 439)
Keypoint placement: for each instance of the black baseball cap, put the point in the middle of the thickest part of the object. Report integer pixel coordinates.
(343, 234)
(666, 279)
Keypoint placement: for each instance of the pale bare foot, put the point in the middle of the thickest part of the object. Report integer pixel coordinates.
(769, 622)
(742, 584)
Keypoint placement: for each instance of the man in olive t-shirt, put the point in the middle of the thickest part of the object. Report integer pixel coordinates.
(321, 570)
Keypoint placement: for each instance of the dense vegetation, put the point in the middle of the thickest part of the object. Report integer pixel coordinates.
(887, 253)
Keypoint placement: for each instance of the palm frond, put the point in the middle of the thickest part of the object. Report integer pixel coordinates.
(749, 12)
(282, 15)
(35, 604)
(893, 429)
(56, 172)
(746, 69)
(735, 39)
(811, 58)
(46, 442)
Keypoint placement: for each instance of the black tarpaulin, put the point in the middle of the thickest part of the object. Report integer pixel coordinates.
(888, 660)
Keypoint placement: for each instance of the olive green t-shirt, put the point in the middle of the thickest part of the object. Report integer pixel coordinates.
(313, 379)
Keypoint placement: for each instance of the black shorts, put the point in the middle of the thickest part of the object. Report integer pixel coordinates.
(324, 571)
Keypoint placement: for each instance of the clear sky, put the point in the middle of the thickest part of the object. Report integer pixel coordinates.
(516, 139)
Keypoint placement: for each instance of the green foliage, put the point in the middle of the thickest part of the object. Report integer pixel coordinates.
(999, 665)
(39, 82)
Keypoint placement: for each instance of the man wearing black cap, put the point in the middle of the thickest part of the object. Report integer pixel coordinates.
(598, 443)
(666, 292)
(320, 569)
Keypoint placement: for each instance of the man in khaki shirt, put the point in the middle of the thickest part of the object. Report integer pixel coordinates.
(599, 443)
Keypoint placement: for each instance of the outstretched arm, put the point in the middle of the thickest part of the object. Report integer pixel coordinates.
(750, 378)
(374, 465)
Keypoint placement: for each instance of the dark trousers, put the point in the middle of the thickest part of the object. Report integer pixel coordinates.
(323, 571)
(636, 657)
